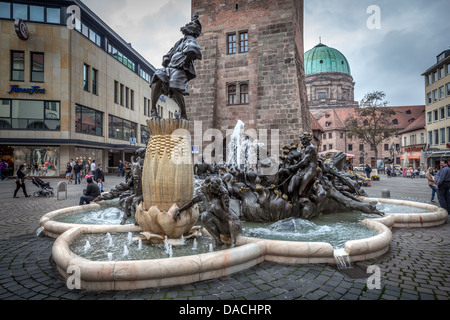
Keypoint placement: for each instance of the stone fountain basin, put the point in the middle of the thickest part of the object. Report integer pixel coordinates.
(137, 274)
(434, 215)
(54, 229)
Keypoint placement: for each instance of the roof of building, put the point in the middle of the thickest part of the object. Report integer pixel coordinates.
(314, 123)
(404, 117)
(418, 124)
(322, 58)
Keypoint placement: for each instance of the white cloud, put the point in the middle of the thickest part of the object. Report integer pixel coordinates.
(391, 59)
(152, 27)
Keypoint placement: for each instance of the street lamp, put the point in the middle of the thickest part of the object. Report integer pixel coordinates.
(391, 151)
(363, 155)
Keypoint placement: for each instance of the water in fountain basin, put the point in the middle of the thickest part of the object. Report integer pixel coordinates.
(335, 229)
(125, 250)
(140, 244)
(108, 215)
(109, 239)
(110, 256)
(100, 251)
(399, 209)
(194, 245)
(87, 246)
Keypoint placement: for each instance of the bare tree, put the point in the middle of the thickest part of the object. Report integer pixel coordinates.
(371, 122)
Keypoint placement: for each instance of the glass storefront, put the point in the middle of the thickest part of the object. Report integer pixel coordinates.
(39, 160)
(85, 156)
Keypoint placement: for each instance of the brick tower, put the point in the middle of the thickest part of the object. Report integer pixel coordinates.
(252, 67)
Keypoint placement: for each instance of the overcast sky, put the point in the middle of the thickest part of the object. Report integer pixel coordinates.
(391, 57)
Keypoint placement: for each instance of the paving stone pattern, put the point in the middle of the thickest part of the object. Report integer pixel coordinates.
(416, 267)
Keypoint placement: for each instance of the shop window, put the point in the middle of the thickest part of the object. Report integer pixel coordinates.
(39, 161)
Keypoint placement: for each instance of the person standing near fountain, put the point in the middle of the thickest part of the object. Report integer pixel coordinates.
(431, 183)
(443, 185)
(178, 68)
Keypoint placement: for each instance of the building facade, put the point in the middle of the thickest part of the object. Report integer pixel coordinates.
(328, 78)
(330, 88)
(70, 88)
(252, 69)
(437, 98)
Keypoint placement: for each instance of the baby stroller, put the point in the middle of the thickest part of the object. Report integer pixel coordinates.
(44, 188)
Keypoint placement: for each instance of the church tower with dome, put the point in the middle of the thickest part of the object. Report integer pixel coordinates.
(329, 82)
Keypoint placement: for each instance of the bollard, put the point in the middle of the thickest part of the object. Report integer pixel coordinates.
(61, 187)
(385, 193)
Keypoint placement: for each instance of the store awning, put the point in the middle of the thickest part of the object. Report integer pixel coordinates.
(411, 156)
(439, 154)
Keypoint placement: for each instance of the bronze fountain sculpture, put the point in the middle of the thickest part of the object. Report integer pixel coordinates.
(160, 188)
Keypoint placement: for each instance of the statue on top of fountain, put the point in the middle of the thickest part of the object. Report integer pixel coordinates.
(178, 68)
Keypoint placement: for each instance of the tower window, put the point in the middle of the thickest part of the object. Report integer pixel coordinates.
(321, 95)
(231, 43)
(232, 94)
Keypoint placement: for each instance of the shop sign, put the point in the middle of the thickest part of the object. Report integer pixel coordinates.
(21, 29)
(33, 89)
(195, 149)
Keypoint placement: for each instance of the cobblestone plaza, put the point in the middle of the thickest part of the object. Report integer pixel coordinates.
(415, 268)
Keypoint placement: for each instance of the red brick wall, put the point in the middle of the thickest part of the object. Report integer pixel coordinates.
(273, 67)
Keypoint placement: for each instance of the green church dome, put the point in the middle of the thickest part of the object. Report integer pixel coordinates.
(322, 59)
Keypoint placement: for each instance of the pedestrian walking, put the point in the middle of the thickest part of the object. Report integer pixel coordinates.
(93, 167)
(443, 186)
(69, 173)
(368, 170)
(120, 171)
(20, 181)
(77, 172)
(72, 164)
(98, 174)
(431, 183)
(3, 167)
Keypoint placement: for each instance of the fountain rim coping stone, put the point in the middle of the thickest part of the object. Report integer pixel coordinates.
(136, 274)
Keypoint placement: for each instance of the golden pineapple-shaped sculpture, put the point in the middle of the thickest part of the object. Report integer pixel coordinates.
(167, 181)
